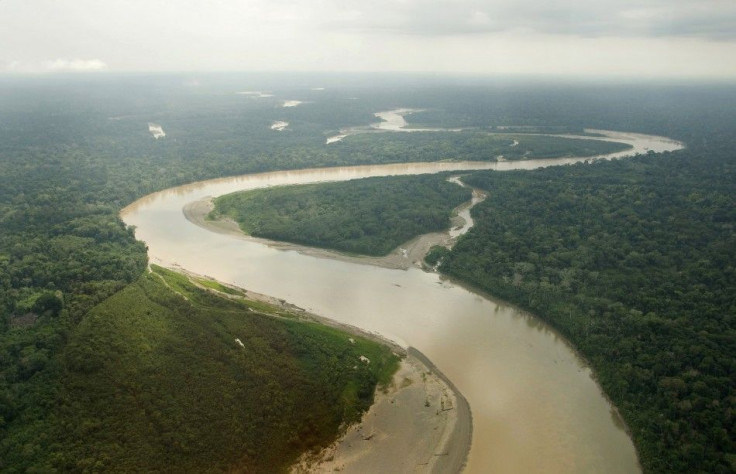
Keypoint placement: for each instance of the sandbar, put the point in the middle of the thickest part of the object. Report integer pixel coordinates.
(421, 423)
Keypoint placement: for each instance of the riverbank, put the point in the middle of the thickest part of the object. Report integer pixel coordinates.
(419, 424)
(410, 254)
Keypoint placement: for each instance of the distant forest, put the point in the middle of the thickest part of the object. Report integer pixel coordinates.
(633, 261)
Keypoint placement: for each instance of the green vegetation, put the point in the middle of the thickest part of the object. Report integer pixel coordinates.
(368, 216)
(634, 262)
(436, 254)
(464, 146)
(217, 286)
(154, 380)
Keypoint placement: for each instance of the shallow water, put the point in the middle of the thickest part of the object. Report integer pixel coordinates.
(464, 211)
(535, 405)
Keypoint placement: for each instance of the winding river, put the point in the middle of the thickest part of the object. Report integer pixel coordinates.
(535, 404)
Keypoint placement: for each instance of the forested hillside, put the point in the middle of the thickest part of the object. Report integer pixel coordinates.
(166, 376)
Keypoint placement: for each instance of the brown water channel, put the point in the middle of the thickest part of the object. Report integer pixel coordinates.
(535, 405)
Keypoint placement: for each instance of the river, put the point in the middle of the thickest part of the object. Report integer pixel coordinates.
(535, 404)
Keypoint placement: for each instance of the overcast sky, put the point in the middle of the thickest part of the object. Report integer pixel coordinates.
(643, 38)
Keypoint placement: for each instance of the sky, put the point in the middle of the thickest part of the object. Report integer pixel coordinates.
(641, 39)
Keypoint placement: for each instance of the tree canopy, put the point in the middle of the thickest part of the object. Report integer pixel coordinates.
(369, 216)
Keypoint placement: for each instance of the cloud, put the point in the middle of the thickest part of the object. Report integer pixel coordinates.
(55, 65)
(489, 36)
(13, 66)
(707, 19)
(75, 65)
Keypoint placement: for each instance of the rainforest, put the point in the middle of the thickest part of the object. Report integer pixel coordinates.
(631, 261)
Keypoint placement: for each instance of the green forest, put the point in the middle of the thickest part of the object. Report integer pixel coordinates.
(369, 216)
(633, 261)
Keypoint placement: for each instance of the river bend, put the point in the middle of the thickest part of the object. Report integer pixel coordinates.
(535, 404)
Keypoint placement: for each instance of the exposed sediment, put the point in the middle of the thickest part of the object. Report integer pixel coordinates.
(419, 424)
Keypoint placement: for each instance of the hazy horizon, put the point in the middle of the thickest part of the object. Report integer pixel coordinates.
(572, 38)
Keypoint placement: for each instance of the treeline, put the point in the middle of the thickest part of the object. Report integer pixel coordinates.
(634, 261)
(369, 216)
(151, 381)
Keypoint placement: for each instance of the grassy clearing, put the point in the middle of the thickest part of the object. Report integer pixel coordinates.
(217, 286)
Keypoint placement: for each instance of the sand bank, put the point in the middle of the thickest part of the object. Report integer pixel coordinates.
(156, 130)
(279, 126)
(419, 424)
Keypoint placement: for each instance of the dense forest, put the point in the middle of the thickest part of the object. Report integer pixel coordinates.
(369, 216)
(75, 150)
(634, 262)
